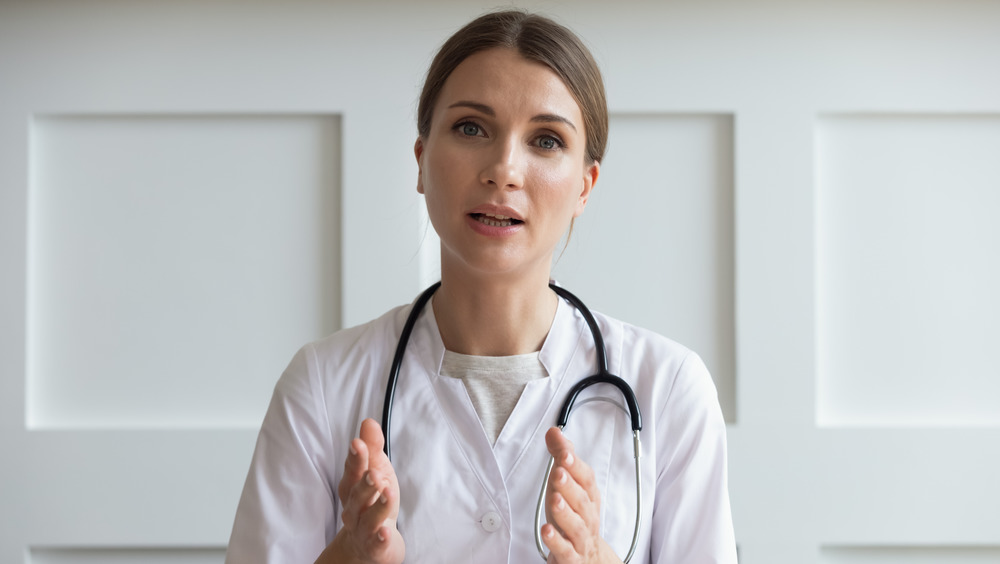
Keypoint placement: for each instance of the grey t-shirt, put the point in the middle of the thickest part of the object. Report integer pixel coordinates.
(494, 383)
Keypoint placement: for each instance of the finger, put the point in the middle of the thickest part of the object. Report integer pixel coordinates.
(578, 499)
(383, 490)
(355, 466)
(371, 434)
(356, 463)
(384, 546)
(582, 501)
(560, 549)
(364, 493)
(563, 451)
(570, 524)
(559, 446)
(576, 482)
(377, 532)
(377, 520)
(378, 542)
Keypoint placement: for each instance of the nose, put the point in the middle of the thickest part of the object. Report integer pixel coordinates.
(504, 167)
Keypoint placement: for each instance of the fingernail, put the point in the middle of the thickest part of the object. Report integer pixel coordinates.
(562, 476)
(383, 499)
(353, 450)
(560, 502)
(381, 537)
(569, 458)
(368, 479)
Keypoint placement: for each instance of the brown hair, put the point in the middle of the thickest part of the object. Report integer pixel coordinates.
(535, 38)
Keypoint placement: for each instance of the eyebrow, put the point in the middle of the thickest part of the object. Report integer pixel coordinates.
(486, 110)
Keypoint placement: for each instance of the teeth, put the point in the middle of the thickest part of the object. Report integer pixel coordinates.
(494, 220)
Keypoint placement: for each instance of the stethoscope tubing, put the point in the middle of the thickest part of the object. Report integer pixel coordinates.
(602, 377)
(397, 361)
(636, 447)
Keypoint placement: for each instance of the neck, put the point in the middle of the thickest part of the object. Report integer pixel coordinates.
(494, 317)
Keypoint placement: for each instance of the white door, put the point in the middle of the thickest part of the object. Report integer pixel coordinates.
(805, 193)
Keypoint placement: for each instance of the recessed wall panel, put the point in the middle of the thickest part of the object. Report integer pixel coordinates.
(126, 556)
(908, 242)
(655, 245)
(910, 555)
(175, 263)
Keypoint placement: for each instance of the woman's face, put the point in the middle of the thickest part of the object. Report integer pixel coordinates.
(502, 167)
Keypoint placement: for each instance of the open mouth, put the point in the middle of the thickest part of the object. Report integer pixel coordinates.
(495, 220)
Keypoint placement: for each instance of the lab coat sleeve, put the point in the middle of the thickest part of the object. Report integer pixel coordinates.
(288, 506)
(692, 520)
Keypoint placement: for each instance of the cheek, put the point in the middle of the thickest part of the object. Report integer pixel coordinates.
(440, 171)
(563, 186)
(441, 183)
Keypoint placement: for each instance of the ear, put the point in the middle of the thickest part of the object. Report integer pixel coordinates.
(590, 175)
(418, 152)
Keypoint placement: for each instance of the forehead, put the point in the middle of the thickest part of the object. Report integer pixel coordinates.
(506, 81)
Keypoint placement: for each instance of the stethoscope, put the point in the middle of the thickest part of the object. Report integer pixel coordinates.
(602, 377)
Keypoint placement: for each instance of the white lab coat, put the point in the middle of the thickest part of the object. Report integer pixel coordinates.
(463, 500)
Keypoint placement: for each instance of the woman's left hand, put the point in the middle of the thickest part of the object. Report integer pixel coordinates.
(572, 508)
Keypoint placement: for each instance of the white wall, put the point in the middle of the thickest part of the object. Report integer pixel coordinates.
(804, 192)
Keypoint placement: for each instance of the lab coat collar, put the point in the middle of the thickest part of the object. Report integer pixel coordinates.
(561, 344)
(564, 355)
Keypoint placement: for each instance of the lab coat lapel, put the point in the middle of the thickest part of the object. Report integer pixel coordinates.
(456, 424)
(447, 474)
(538, 408)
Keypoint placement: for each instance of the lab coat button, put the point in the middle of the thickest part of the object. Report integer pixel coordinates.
(491, 521)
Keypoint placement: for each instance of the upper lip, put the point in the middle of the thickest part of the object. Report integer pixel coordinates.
(495, 210)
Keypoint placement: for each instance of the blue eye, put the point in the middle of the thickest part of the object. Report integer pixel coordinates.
(549, 142)
(470, 129)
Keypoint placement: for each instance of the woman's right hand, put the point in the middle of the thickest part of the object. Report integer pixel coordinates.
(369, 494)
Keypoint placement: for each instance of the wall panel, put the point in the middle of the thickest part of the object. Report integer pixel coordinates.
(173, 259)
(909, 555)
(907, 269)
(126, 555)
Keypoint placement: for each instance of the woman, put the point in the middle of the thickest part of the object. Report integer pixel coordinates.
(512, 127)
